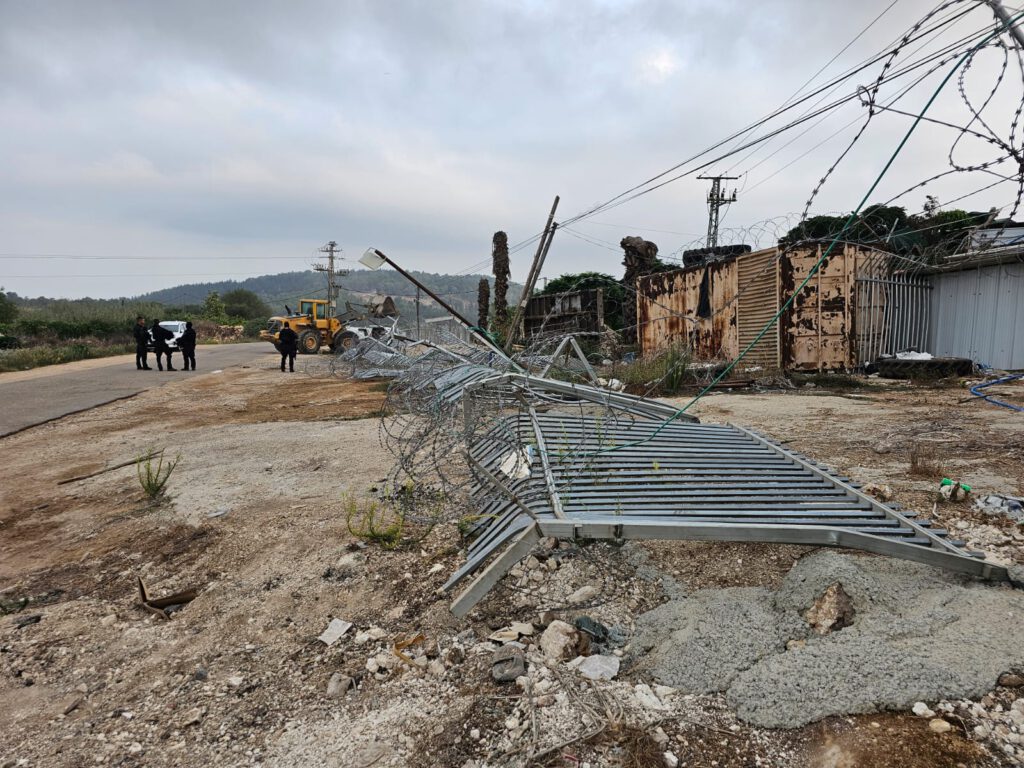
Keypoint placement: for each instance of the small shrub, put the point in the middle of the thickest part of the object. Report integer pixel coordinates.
(665, 373)
(154, 479)
(252, 328)
(923, 463)
(25, 358)
(372, 521)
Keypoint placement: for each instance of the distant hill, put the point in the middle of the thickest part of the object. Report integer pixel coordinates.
(288, 287)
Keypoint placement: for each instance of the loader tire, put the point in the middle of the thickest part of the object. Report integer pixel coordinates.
(344, 341)
(309, 342)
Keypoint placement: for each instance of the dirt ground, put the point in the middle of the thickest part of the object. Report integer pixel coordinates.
(257, 522)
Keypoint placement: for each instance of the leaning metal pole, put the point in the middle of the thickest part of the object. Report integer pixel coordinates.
(473, 330)
(1010, 24)
(531, 278)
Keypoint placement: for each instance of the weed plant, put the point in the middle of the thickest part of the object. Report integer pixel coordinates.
(153, 479)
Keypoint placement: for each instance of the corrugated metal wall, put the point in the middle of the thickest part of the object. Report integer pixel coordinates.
(978, 314)
(757, 303)
(443, 330)
(694, 307)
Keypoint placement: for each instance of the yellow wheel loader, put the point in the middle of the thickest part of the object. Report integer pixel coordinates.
(318, 327)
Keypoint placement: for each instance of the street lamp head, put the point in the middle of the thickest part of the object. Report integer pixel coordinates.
(371, 259)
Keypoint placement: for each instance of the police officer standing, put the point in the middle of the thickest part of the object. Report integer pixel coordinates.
(288, 345)
(141, 344)
(160, 338)
(187, 345)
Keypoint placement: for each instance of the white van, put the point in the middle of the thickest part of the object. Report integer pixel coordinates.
(177, 327)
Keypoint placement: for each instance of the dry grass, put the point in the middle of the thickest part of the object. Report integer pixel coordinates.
(924, 462)
(639, 748)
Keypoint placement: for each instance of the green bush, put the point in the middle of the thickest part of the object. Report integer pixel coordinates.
(665, 373)
(64, 330)
(253, 328)
(35, 357)
(373, 521)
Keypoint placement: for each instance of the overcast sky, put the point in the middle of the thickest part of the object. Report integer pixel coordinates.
(203, 141)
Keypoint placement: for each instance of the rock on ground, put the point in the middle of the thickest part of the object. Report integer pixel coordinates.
(559, 640)
(832, 611)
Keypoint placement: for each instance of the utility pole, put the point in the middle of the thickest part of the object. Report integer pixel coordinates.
(375, 259)
(531, 279)
(332, 289)
(716, 200)
(1009, 23)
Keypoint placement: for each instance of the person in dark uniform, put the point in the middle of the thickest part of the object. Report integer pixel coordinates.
(288, 344)
(187, 345)
(160, 338)
(141, 344)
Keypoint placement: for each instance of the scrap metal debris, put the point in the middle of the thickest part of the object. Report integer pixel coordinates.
(335, 629)
(542, 457)
(402, 644)
(165, 606)
(976, 390)
(997, 504)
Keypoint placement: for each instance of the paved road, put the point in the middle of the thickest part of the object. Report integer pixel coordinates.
(43, 394)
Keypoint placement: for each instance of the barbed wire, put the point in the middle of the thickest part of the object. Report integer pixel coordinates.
(445, 398)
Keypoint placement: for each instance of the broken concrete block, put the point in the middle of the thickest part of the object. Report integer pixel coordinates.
(339, 685)
(583, 594)
(334, 630)
(921, 710)
(646, 698)
(880, 492)
(1011, 680)
(512, 632)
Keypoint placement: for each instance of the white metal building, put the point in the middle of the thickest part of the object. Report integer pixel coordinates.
(977, 309)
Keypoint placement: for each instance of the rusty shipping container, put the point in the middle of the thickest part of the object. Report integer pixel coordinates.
(719, 308)
(681, 308)
(817, 333)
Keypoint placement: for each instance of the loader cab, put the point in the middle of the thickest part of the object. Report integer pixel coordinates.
(317, 310)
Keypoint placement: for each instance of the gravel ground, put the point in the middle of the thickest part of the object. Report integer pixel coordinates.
(238, 677)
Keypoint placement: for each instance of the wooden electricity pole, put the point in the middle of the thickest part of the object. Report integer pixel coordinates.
(531, 278)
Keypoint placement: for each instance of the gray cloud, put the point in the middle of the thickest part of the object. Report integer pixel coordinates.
(232, 128)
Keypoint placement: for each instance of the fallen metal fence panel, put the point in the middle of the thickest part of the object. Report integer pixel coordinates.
(638, 477)
(549, 457)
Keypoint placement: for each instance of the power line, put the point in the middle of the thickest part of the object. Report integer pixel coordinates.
(183, 276)
(829, 63)
(78, 256)
(782, 110)
(640, 190)
(917, 33)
